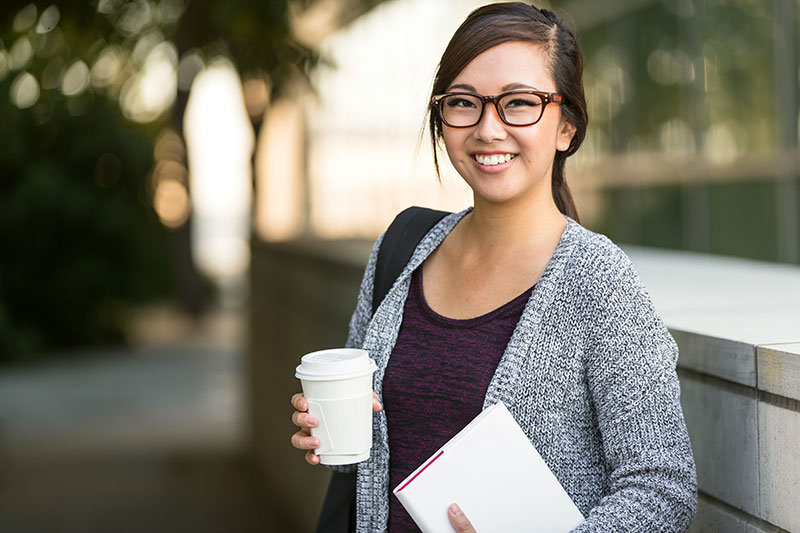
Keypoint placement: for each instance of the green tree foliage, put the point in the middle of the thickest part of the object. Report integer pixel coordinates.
(79, 240)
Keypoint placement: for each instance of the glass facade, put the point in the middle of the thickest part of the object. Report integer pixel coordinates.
(693, 125)
(693, 131)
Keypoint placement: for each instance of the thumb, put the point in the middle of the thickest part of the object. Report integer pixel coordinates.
(459, 520)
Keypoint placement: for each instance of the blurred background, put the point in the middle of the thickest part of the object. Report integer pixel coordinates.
(187, 185)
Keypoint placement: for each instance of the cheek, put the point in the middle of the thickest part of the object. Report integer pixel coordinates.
(454, 145)
(546, 140)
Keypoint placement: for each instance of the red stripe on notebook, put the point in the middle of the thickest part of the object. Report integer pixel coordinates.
(421, 470)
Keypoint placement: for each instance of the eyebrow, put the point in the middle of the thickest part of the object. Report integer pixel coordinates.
(504, 88)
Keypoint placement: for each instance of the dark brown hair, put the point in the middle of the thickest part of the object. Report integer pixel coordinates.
(494, 24)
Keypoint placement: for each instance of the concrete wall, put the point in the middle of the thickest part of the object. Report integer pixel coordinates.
(303, 294)
(737, 324)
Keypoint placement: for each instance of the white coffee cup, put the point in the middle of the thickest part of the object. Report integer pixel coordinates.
(337, 385)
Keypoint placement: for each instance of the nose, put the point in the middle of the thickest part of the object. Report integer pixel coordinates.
(491, 127)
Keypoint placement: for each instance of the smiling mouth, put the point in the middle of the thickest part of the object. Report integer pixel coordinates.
(494, 159)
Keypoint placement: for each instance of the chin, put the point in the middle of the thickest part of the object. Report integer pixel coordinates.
(496, 198)
(496, 193)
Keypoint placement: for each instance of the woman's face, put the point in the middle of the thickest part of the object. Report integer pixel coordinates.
(527, 175)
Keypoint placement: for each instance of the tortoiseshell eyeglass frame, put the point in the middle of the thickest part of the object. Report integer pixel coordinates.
(547, 98)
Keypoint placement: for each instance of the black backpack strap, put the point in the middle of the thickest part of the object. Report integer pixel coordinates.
(399, 243)
(338, 513)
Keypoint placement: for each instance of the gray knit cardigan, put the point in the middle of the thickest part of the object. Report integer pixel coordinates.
(589, 374)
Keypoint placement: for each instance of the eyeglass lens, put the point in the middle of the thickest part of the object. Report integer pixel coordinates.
(461, 110)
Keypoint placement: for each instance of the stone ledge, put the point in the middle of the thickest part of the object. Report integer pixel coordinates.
(779, 369)
(779, 466)
(726, 359)
(737, 324)
(734, 319)
(723, 429)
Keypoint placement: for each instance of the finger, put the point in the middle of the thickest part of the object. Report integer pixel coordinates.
(459, 520)
(303, 420)
(299, 402)
(303, 441)
(299, 440)
(311, 458)
(376, 403)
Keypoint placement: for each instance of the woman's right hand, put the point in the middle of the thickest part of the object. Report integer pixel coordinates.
(303, 440)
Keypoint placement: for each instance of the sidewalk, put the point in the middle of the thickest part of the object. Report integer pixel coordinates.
(144, 439)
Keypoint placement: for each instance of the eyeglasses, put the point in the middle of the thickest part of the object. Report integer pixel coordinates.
(515, 108)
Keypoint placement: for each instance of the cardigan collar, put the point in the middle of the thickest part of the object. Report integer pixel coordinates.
(442, 229)
(504, 381)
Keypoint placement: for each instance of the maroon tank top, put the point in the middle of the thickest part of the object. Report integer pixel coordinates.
(436, 381)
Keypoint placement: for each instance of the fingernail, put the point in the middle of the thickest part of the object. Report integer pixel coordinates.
(312, 442)
(311, 421)
(455, 510)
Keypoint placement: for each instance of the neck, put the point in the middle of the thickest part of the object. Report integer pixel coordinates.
(495, 228)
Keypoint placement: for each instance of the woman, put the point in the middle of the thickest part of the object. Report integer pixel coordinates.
(514, 301)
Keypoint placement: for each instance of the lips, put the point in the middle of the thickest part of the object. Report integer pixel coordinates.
(493, 159)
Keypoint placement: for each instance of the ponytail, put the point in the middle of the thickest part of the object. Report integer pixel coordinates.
(561, 192)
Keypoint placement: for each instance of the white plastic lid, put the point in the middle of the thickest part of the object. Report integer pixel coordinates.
(339, 363)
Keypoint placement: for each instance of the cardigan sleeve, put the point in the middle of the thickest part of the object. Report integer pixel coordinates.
(363, 311)
(631, 375)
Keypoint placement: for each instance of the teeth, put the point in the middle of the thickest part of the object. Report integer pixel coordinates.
(494, 159)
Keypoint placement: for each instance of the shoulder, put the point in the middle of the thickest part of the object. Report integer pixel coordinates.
(604, 284)
(620, 315)
(597, 261)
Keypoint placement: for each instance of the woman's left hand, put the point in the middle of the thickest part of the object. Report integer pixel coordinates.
(459, 520)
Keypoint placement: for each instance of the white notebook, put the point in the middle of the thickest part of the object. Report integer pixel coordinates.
(494, 473)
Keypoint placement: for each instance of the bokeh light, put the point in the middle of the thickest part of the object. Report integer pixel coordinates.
(256, 96)
(134, 18)
(24, 90)
(21, 53)
(169, 147)
(25, 18)
(189, 66)
(151, 91)
(669, 67)
(48, 20)
(51, 43)
(76, 79)
(171, 202)
(107, 66)
(279, 162)
(220, 141)
(4, 66)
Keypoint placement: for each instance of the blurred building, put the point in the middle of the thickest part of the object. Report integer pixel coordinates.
(694, 124)
(692, 141)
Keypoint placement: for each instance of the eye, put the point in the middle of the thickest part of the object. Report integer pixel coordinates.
(523, 101)
(459, 101)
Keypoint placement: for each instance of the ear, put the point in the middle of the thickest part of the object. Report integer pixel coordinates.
(566, 130)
